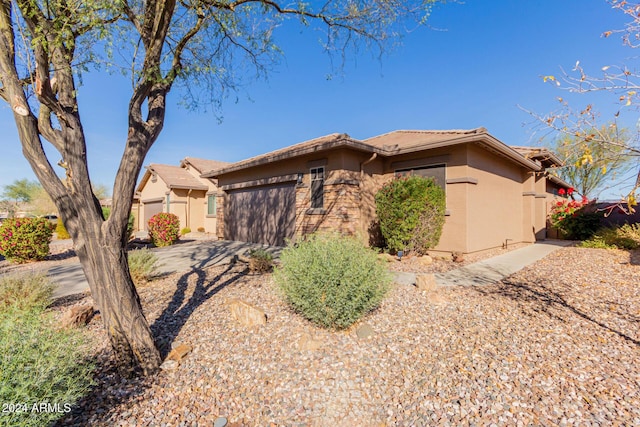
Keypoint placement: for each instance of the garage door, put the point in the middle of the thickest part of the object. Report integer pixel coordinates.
(261, 214)
(150, 209)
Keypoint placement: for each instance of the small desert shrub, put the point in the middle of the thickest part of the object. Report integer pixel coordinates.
(164, 229)
(200, 229)
(624, 237)
(260, 261)
(25, 239)
(39, 362)
(25, 292)
(142, 265)
(332, 280)
(185, 230)
(61, 231)
(411, 212)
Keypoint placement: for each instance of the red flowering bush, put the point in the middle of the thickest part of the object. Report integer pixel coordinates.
(164, 229)
(575, 219)
(25, 239)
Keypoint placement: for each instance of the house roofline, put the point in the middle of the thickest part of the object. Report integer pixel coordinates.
(334, 141)
(559, 181)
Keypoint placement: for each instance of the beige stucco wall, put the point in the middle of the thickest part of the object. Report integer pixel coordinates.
(495, 204)
(485, 197)
(189, 205)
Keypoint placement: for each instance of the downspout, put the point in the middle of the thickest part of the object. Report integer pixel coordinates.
(188, 225)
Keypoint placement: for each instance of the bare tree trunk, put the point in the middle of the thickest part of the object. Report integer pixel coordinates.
(104, 262)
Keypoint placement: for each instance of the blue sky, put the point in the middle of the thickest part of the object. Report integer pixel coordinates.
(473, 67)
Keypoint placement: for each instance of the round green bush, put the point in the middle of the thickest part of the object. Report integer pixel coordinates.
(332, 280)
(164, 229)
(25, 239)
(411, 212)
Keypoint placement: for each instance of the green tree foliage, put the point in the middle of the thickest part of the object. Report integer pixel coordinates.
(411, 212)
(589, 164)
(204, 47)
(20, 191)
(332, 280)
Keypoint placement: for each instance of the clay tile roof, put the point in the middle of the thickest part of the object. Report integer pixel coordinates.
(203, 165)
(402, 139)
(176, 177)
(312, 145)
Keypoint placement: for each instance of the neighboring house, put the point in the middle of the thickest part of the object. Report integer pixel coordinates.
(495, 194)
(178, 190)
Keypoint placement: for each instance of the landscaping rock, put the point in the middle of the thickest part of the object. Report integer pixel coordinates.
(308, 342)
(425, 260)
(387, 257)
(246, 314)
(404, 278)
(179, 352)
(426, 282)
(169, 365)
(78, 315)
(365, 331)
(220, 422)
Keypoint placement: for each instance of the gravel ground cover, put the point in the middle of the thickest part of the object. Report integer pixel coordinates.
(558, 343)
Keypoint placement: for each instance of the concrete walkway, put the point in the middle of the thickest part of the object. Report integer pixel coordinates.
(495, 269)
(186, 256)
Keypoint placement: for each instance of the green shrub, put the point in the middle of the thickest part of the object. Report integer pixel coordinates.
(164, 229)
(411, 213)
(332, 280)
(185, 230)
(61, 231)
(624, 237)
(25, 239)
(39, 362)
(582, 225)
(260, 261)
(25, 292)
(142, 265)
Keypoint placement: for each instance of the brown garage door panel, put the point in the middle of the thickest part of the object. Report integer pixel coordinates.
(150, 209)
(261, 215)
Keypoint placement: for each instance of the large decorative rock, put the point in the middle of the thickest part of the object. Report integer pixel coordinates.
(308, 342)
(246, 314)
(78, 315)
(426, 282)
(179, 352)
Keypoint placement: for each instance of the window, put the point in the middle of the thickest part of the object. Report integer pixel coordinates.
(211, 204)
(168, 203)
(437, 172)
(317, 188)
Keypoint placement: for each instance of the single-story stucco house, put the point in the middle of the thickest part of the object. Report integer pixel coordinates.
(495, 194)
(179, 190)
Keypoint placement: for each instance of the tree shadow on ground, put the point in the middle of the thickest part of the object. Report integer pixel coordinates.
(173, 318)
(112, 391)
(542, 299)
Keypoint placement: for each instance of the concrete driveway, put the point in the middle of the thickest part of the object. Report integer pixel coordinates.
(180, 257)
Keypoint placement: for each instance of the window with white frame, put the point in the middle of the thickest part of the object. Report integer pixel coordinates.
(211, 204)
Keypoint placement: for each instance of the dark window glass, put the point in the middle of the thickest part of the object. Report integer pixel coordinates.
(317, 188)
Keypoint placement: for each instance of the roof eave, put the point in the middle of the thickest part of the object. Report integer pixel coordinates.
(338, 142)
